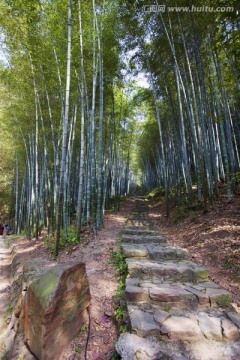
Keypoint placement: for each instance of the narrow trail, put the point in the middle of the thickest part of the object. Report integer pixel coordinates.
(175, 311)
(5, 272)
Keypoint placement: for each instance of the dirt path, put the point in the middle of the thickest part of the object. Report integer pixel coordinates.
(103, 284)
(5, 272)
(95, 251)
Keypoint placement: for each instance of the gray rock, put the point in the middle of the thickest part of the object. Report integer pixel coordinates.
(129, 345)
(143, 323)
(203, 299)
(168, 293)
(208, 284)
(133, 347)
(235, 318)
(181, 328)
(136, 294)
(147, 284)
(131, 250)
(139, 223)
(139, 232)
(142, 239)
(166, 252)
(160, 316)
(9, 340)
(210, 327)
(220, 297)
(213, 350)
(230, 331)
(134, 281)
(178, 270)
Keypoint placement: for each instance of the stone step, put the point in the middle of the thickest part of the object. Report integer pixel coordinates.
(140, 209)
(148, 227)
(141, 203)
(176, 295)
(143, 239)
(181, 325)
(153, 251)
(137, 231)
(168, 270)
(138, 218)
(162, 296)
(132, 347)
(175, 312)
(139, 212)
(139, 223)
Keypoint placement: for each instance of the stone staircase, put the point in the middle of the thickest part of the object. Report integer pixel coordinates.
(174, 310)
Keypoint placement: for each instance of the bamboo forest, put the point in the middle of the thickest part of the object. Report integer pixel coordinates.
(103, 101)
(77, 132)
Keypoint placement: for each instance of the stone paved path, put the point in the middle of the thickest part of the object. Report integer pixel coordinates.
(175, 311)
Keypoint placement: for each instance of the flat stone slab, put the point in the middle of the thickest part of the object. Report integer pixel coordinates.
(139, 223)
(153, 251)
(129, 231)
(235, 318)
(181, 328)
(219, 297)
(171, 294)
(143, 239)
(131, 250)
(136, 294)
(138, 216)
(160, 295)
(134, 281)
(174, 270)
(182, 325)
(176, 294)
(230, 331)
(160, 316)
(166, 252)
(210, 326)
(133, 347)
(202, 297)
(142, 322)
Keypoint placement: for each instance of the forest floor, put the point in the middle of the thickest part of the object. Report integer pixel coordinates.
(212, 239)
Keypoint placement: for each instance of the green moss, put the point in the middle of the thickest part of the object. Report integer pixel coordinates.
(203, 274)
(69, 317)
(4, 356)
(167, 308)
(224, 300)
(44, 287)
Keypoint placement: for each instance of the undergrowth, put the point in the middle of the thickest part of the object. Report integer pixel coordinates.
(118, 260)
(70, 239)
(183, 206)
(156, 196)
(4, 356)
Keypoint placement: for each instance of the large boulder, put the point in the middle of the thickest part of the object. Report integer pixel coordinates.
(54, 309)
